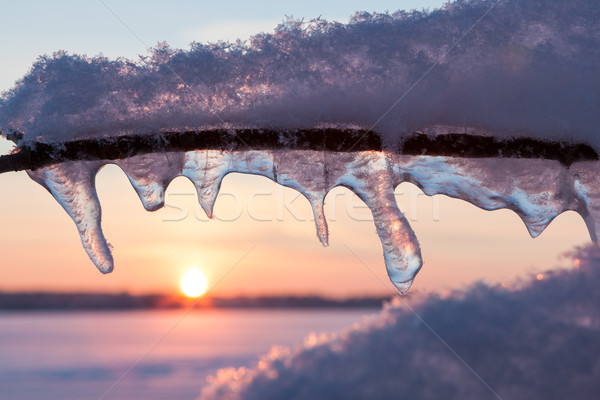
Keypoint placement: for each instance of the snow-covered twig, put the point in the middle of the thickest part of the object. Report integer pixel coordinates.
(35, 155)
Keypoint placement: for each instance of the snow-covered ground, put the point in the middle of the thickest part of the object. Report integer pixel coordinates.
(538, 341)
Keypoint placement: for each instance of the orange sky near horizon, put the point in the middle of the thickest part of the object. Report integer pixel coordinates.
(41, 250)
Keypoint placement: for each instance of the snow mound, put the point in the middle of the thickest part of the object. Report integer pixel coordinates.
(537, 342)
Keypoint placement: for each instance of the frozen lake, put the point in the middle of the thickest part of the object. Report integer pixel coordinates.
(79, 355)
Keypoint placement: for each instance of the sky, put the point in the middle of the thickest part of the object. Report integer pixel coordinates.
(262, 240)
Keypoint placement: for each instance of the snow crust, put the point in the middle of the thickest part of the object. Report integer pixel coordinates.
(528, 68)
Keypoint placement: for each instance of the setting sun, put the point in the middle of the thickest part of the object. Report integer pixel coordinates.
(194, 283)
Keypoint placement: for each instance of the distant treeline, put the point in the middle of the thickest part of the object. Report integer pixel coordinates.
(126, 301)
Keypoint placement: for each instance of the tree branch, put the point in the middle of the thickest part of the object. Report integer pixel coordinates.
(38, 154)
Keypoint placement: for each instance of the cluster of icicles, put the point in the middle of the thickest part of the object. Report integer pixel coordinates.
(537, 190)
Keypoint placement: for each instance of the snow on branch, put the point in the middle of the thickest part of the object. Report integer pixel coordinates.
(528, 68)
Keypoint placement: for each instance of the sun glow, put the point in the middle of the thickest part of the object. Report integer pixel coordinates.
(194, 283)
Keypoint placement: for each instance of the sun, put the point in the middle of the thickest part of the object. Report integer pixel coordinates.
(194, 283)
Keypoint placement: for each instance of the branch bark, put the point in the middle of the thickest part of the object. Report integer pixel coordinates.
(39, 154)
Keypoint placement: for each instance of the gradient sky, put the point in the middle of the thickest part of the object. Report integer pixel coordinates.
(40, 248)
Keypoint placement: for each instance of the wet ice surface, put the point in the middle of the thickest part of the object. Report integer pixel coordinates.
(537, 190)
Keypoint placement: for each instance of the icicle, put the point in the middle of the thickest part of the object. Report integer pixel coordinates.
(206, 169)
(306, 172)
(316, 204)
(535, 225)
(586, 181)
(72, 185)
(537, 190)
(150, 174)
(372, 181)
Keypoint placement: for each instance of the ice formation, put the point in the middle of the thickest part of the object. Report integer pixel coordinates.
(537, 190)
(529, 69)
